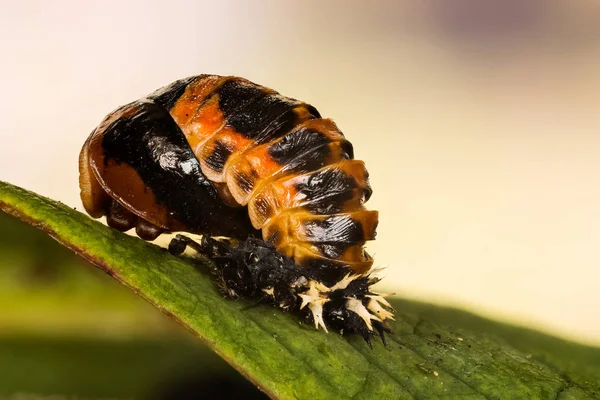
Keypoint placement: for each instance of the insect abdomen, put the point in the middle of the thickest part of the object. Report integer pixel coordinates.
(293, 169)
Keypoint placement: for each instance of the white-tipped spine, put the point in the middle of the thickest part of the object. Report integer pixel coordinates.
(318, 294)
(357, 307)
(381, 312)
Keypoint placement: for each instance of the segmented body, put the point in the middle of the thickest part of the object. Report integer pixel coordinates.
(224, 156)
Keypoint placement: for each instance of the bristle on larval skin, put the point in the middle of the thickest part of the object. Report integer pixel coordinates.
(336, 299)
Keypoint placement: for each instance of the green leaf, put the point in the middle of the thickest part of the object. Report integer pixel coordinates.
(434, 352)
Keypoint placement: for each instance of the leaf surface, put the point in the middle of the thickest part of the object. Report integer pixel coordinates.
(434, 352)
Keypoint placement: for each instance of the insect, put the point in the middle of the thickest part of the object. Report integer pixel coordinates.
(222, 156)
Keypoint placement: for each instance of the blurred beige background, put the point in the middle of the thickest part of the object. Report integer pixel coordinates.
(478, 120)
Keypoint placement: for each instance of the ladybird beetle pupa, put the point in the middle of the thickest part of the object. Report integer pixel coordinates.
(222, 156)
